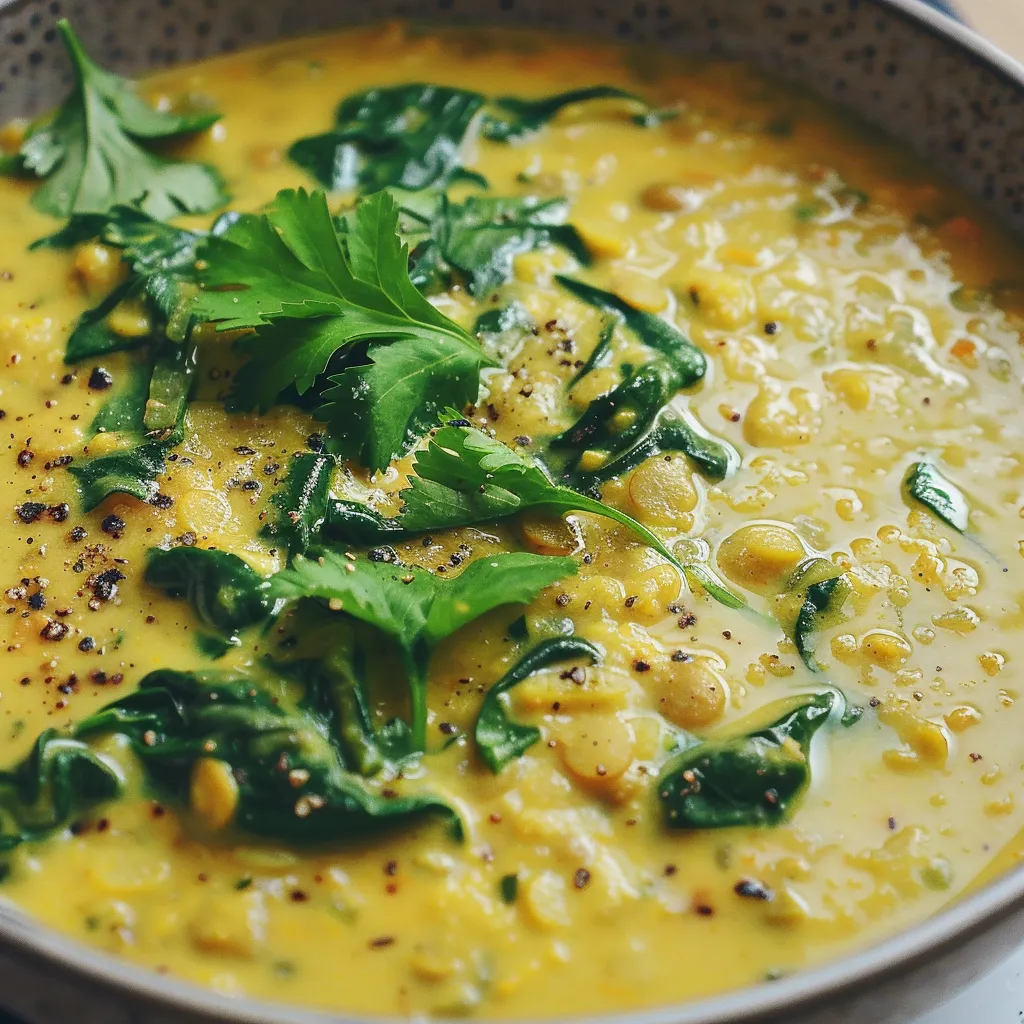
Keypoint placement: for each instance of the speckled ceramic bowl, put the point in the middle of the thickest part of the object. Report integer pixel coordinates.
(917, 74)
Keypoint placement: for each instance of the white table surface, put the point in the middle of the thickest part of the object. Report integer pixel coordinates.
(995, 999)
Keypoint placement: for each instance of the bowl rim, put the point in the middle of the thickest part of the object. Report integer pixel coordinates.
(803, 990)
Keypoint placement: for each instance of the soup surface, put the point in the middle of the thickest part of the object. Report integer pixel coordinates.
(723, 310)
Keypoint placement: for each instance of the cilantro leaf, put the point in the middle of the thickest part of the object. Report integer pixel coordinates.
(409, 136)
(415, 607)
(463, 477)
(161, 259)
(512, 118)
(311, 299)
(482, 236)
(88, 151)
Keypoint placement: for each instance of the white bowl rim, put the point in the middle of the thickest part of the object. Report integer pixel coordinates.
(802, 990)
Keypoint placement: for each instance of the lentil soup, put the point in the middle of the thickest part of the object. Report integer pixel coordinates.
(552, 548)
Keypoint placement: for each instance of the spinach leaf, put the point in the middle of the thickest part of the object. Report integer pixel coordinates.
(665, 338)
(59, 778)
(673, 430)
(170, 382)
(821, 608)
(354, 523)
(125, 409)
(415, 607)
(180, 721)
(464, 477)
(754, 779)
(309, 298)
(161, 259)
(927, 486)
(499, 740)
(131, 471)
(224, 591)
(642, 396)
(88, 150)
(512, 118)
(481, 237)
(408, 136)
(813, 600)
(302, 501)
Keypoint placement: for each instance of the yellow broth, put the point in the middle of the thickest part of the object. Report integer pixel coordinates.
(848, 331)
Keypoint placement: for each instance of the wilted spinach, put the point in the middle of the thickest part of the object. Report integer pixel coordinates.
(500, 740)
(291, 779)
(927, 486)
(752, 779)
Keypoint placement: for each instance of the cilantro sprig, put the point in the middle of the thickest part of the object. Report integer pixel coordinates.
(91, 154)
(316, 299)
(415, 607)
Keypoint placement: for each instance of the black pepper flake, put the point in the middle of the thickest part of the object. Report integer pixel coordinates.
(641, 666)
(681, 656)
(77, 533)
(384, 554)
(100, 379)
(161, 501)
(630, 601)
(114, 525)
(581, 879)
(25, 457)
(687, 620)
(391, 868)
(30, 511)
(315, 443)
(86, 644)
(382, 942)
(448, 728)
(703, 910)
(562, 600)
(37, 601)
(892, 824)
(54, 630)
(244, 449)
(751, 889)
(298, 896)
(772, 327)
(104, 584)
(59, 512)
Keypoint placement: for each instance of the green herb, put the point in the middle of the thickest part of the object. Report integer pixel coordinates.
(131, 471)
(480, 238)
(59, 778)
(416, 607)
(88, 150)
(644, 393)
(672, 431)
(407, 136)
(464, 477)
(161, 259)
(174, 369)
(508, 888)
(302, 501)
(124, 410)
(178, 718)
(822, 607)
(754, 779)
(499, 740)
(512, 118)
(354, 523)
(312, 300)
(225, 593)
(927, 486)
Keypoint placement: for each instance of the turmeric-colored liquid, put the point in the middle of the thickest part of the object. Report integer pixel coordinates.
(842, 345)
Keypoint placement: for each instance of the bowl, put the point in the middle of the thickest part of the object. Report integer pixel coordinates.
(915, 73)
